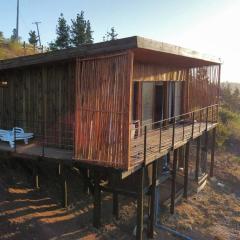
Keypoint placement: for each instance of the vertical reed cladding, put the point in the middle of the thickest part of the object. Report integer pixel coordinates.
(102, 109)
(203, 86)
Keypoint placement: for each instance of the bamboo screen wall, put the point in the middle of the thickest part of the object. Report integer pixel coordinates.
(203, 87)
(102, 109)
(40, 99)
(155, 72)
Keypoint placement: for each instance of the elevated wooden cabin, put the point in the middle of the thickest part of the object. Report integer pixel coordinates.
(115, 104)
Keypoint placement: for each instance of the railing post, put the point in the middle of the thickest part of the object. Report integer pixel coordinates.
(212, 115)
(200, 124)
(43, 140)
(160, 137)
(173, 137)
(183, 130)
(145, 145)
(206, 118)
(14, 132)
(193, 119)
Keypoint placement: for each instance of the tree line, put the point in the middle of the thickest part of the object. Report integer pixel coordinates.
(228, 132)
(78, 33)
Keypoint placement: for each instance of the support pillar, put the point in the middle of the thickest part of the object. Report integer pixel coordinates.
(213, 151)
(86, 174)
(62, 172)
(173, 188)
(97, 201)
(197, 159)
(139, 235)
(59, 169)
(153, 198)
(181, 157)
(115, 199)
(186, 165)
(115, 205)
(36, 176)
(206, 152)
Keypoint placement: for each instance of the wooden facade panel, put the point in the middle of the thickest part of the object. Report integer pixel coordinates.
(103, 110)
(40, 99)
(154, 72)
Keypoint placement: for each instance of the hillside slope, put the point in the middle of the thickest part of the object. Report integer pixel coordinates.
(14, 49)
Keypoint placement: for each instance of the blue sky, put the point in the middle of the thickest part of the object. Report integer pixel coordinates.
(209, 26)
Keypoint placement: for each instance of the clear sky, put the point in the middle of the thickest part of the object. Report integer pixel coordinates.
(208, 26)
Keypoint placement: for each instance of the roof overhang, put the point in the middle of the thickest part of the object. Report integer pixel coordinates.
(145, 50)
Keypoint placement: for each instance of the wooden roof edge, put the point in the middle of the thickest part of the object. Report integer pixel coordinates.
(70, 53)
(158, 46)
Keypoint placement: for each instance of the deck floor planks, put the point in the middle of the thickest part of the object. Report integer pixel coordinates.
(154, 150)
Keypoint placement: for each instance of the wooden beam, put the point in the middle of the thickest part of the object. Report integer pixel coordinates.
(139, 234)
(174, 174)
(212, 151)
(186, 165)
(97, 200)
(119, 191)
(153, 198)
(197, 158)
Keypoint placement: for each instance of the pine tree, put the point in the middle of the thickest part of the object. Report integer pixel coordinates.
(78, 30)
(33, 38)
(63, 38)
(112, 35)
(1, 37)
(88, 34)
(14, 35)
(52, 46)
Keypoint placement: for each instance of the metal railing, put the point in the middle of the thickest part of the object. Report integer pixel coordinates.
(150, 139)
(57, 138)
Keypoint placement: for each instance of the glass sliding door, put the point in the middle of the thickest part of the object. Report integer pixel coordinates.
(147, 102)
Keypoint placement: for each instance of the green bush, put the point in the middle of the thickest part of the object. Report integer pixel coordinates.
(229, 128)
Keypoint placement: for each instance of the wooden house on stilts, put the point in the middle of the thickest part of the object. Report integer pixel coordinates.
(123, 110)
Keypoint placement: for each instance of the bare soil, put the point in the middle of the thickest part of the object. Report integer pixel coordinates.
(26, 213)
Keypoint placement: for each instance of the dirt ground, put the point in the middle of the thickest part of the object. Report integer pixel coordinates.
(25, 213)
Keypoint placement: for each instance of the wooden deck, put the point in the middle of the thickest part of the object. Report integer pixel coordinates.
(154, 149)
(159, 143)
(34, 149)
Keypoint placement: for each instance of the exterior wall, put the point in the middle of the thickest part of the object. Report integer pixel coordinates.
(40, 99)
(103, 103)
